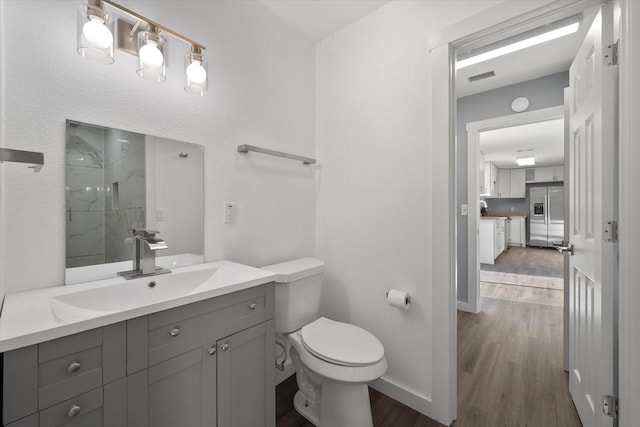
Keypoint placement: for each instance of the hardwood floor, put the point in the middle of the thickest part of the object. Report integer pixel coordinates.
(509, 371)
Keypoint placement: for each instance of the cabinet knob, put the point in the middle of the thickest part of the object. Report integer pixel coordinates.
(73, 367)
(212, 351)
(252, 306)
(73, 411)
(174, 332)
(224, 347)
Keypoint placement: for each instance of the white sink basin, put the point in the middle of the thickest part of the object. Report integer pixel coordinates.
(36, 316)
(133, 293)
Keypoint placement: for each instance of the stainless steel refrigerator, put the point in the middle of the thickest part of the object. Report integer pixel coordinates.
(546, 215)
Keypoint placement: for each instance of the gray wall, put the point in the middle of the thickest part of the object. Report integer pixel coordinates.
(542, 93)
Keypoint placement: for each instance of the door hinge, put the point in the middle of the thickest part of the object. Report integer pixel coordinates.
(611, 54)
(610, 231)
(610, 406)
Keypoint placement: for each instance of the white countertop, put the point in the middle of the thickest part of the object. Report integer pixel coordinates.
(30, 317)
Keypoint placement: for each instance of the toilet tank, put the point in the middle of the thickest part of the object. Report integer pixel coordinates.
(297, 289)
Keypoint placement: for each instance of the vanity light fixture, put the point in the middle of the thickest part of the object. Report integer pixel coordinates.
(526, 161)
(145, 38)
(95, 32)
(151, 55)
(522, 41)
(195, 69)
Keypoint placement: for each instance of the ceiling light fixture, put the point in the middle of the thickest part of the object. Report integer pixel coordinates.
(144, 38)
(521, 41)
(526, 161)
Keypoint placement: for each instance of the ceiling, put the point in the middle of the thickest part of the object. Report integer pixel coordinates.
(544, 140)
(318, 19)
(538, 61)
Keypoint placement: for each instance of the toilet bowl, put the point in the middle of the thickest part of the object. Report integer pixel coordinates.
(334, 361)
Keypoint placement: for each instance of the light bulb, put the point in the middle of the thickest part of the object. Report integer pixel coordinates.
(196, 72)
(150, 55)
(97, 33)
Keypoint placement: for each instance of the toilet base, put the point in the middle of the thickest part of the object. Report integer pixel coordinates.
(309, 410)
(345, 404)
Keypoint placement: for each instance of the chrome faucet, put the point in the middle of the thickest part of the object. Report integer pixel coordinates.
(145, 245)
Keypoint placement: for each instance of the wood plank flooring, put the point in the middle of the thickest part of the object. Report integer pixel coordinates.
(509, 370)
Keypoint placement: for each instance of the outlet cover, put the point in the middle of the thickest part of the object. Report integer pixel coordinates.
(229, 212)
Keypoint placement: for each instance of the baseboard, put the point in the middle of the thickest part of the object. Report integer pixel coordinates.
(420, 403)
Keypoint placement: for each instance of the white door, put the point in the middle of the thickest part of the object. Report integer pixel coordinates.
(592, 279)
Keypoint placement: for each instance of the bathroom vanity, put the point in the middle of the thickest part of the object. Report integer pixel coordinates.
(202, 357)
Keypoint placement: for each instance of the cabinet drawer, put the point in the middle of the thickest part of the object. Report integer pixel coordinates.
(80, 411)
(187, 332)
(68, 376)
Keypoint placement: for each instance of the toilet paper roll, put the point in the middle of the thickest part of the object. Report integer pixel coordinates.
(396, 298)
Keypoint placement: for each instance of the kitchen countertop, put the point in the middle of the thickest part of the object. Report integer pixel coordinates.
(32, 317)
(504, 215)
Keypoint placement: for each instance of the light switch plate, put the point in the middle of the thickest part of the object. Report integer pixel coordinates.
(464, 210)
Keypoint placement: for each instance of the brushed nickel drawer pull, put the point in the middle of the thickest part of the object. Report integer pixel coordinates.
(73, 411)
(252, 306)
(73, 367)
(174, 332)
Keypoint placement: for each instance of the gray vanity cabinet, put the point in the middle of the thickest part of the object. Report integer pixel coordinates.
(75, 380)
(209, 364)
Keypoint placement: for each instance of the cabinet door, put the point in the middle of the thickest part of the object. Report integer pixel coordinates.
(515, 234)
(559, 173)
(182, 390)
(494, 180)
(518, 186)
(545, 174)
(242, 379)
(504, 183)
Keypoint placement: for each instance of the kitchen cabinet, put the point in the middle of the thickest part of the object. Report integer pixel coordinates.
(511, 183)
(208, 363)
(516, 231)
(518, 185)
(492, 239)
(490, 180)
(504, 183)
(545, 174)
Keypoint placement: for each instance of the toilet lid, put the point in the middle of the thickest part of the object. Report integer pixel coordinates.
(341, 343)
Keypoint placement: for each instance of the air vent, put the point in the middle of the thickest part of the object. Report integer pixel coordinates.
(530, 174)
(524, 150)
(481, 76)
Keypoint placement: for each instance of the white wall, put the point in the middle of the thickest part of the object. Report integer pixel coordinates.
(261, 92)
(374, 190)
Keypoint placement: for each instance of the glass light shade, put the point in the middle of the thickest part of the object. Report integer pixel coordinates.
(196, 72)
(151, 54)
(95, 34)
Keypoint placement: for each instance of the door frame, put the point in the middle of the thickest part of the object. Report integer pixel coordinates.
(473, 192)
(495, 23)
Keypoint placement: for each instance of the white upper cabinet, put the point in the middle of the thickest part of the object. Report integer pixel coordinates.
(504, 183)
(518, 186)
(511, 183)
(545, 174)
(490, 188)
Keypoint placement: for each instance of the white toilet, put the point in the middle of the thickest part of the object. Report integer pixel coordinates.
(334, 361)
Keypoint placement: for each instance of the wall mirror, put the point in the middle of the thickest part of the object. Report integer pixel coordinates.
(116, 180)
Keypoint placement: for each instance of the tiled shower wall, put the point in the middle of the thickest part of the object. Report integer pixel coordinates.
(105, 193)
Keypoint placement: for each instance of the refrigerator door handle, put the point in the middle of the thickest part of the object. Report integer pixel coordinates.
(546, 209)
